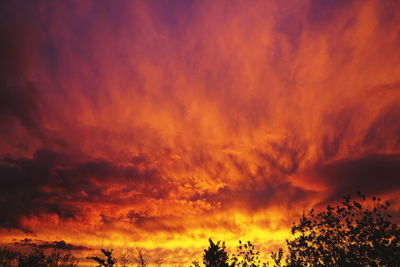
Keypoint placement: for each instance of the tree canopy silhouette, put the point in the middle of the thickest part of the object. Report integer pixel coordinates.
(355, 233)
(37, 258)
(247, 256)
(347, 235)
(215, 255)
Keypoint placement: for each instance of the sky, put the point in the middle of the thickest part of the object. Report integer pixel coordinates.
(160, 124)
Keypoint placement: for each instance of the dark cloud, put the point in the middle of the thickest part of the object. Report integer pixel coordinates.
(372, 174)
(21, 191)
(388, 15)
(172, 13)
(155, 223)
(321, 12)
(338, 125)
(46, 245)
(253, 196)
(47, 181)
(62, 245)
(385, 129)
(19, 96)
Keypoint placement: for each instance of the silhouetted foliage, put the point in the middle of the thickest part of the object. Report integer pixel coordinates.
(247, 256)
(351, 234)
(195, 263)
(61, 258)
(124, 259)
(347, 235)
(8, 258)
(109, 261)
(215, 255)
(37, 258)
(140, 259)
(277, 257)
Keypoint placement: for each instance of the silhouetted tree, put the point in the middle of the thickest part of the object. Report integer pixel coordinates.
(346, 235)
(109, 261)
(350, 234)
(8, 258)
(124, 259)
(215, 255)
(61, 258)
(247, 256)
(37, 258)
(141, 259)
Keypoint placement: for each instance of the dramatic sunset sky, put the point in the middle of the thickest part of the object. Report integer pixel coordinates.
(159, 124)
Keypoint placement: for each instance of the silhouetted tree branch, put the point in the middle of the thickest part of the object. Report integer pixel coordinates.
(109, 261)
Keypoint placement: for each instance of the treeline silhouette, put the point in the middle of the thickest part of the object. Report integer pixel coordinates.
(354, 233)
(37, 258)
(350, 234)
(126, 259)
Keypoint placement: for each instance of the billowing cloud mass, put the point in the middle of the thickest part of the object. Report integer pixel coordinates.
(159, 124)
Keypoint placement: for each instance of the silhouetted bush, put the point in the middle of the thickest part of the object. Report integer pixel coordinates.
(346, 235)
(8, 258)
(247, 256)
(126, 258)
(37, 258)
(61, 258)
(351, 234)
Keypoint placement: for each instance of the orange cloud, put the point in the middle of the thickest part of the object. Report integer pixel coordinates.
(159, 125)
